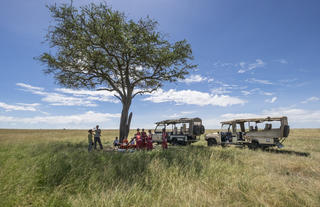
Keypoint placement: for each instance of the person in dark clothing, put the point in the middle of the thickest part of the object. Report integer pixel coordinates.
(144, 139)
(97, 135)
(116, 143)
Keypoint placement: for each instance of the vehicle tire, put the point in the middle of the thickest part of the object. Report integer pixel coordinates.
(174, 141)
(286, 131)
(211, 142)
(254, 145)
(202, 129)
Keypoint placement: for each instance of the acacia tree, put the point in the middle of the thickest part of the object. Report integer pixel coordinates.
(96, 47)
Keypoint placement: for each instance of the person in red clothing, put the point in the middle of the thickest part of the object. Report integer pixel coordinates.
(144, 139)
(149, 141)
(164, 139)
(124, 144)
(138, 139)
(132, 144)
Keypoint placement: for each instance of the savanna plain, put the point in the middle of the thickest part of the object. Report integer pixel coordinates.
(54, 168)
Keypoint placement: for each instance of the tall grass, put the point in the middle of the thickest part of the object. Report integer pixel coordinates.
(53, 168)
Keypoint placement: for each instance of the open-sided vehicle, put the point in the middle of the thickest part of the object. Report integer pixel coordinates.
(235, 132)
(182, 131)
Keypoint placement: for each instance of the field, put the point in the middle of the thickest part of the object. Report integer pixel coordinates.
(53, 168)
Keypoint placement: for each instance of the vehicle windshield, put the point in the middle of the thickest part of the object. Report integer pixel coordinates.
(225, 128)
(159, 128)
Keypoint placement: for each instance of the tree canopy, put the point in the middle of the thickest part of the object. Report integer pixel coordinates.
(97, 47)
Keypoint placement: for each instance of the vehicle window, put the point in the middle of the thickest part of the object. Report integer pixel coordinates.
(159, 128)
(169, 128)
(180, 128)
(225, 128)
(269, 125)
(251, 126)
(239, 127)
(196, 123)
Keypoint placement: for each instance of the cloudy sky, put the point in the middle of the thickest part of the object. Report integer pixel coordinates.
(255, 58)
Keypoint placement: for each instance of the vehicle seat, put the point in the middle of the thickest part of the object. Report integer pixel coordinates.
(184, 128)
(175, 130)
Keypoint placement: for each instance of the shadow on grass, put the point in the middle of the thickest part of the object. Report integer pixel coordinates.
(69, 164)
(290, 152)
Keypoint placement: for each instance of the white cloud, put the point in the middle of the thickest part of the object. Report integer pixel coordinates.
(87, 119)
(19, 107)
(297, 117)
(77, 98)
(246, 93)
(29, 87)
(219, 64)
(179, 114)
(254, 80)
(139, 68)
(230, 116)
(193, 97)
(282, 61)
(256, 91)
(295, 114)
(267, 93)
(210, 80)
(56, 99)
(311, 99)
(104, 96)
(220, 90)
(194, 79)
(245, 67)
(271, 100)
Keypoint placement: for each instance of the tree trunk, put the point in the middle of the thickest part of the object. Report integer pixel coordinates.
(128, 125)
(123, 133)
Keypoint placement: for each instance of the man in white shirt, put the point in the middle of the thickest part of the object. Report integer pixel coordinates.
(97, 134)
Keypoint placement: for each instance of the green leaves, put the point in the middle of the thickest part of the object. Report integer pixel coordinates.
(96, 46)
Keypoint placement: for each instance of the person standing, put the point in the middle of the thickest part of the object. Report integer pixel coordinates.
(164, 139)
(90, 140)
(149, 141)
(144, 139)
(97, 135)
(138, 139)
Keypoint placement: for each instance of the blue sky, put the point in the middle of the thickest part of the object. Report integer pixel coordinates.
(255, 58)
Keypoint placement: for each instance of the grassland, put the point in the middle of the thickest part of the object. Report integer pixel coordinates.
(53, 168)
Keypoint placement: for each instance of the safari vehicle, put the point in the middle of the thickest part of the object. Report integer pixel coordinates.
(182, 131)
(234, 132)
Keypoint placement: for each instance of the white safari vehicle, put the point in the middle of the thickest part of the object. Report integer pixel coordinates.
(182, 131)
(260, 132)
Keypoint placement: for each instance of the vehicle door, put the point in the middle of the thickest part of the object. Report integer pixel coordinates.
(157, 136)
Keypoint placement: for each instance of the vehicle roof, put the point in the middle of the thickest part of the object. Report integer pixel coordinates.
(257, 120)
(176, 121)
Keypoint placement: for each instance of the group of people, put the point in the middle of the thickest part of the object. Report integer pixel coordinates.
(140, 141)
(96, 133)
